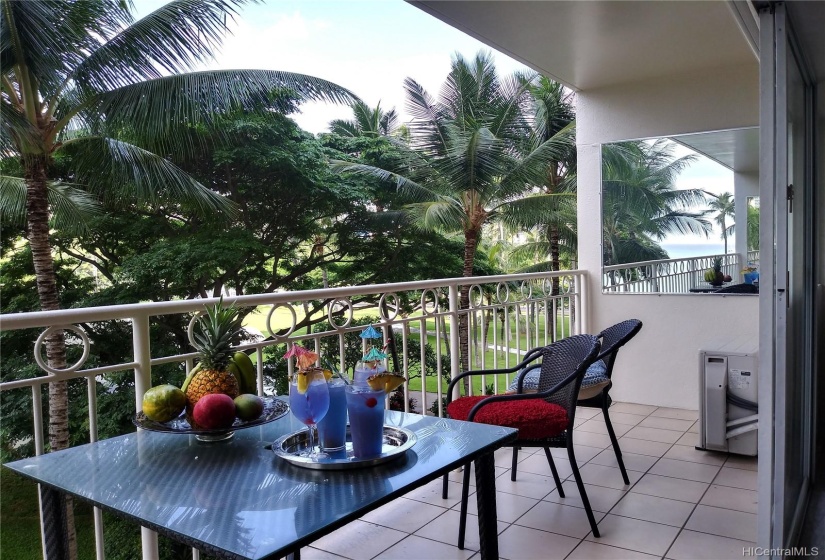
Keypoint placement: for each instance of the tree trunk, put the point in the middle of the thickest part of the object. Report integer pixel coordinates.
(37, 216)
(471, 239)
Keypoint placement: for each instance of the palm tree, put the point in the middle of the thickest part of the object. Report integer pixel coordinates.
(640, 204)
(472, 157)
(85, 80)
(723, 207)
(366, 122)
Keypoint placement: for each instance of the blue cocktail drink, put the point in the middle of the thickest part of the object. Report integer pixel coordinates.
(363, 371)
(366, 418)
(309, 401)
(332, 430)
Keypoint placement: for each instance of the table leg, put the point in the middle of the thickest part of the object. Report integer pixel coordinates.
(55, 532)
(486, 500)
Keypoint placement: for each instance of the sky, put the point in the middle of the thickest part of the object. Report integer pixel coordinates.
(370, 47)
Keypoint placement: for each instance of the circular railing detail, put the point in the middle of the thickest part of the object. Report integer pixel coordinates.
(38, 345)
(292, 326)
(383, 303)
(336, 305)
(429, 307)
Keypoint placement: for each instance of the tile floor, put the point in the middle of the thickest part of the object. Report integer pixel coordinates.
(681, 503)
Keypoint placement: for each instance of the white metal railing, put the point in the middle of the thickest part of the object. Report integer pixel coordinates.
(667, 275)
(753, 258)
(508, 315)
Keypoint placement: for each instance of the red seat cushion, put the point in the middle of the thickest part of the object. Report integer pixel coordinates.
(534, 418)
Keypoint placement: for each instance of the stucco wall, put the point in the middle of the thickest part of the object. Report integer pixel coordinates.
(660, 366)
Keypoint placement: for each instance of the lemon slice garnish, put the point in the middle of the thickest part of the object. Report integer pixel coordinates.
(327, 374)
(387, 380)
(302, 382)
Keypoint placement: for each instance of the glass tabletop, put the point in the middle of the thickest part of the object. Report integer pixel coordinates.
(236, 497)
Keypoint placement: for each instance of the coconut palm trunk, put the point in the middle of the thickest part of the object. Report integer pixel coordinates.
(37, 212)
(472, 237)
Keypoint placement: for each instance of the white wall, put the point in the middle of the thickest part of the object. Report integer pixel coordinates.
(660, 366)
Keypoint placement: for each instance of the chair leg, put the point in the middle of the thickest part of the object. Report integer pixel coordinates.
(445, 486)
(465, 493)
(515, 463)
(614, 441)
(554, 471)
(582, 491)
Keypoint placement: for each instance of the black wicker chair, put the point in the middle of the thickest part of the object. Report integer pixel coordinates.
(738, 289)
(545, 417)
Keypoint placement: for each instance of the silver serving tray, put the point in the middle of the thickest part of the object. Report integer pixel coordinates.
(396, 442)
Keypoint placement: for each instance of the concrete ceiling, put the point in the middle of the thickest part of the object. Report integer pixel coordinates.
(594, 44)
(737, 150)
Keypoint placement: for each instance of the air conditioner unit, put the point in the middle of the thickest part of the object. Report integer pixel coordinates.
(728, 393)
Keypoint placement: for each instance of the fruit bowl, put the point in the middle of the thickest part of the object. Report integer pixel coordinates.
(274, 408)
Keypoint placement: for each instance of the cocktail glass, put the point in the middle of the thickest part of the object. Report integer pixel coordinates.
(363, 370)
(366, 418)
(309, 402)
(332, 429)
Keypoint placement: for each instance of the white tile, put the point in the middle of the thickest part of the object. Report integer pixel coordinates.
(723, 522)
(583, 452)
(653, 434)
(538, 464)
(418, 547)
(592, 551)
(672, 488)
(635, 534)
(597, 426)
(509, 507)
(445, 529)
(731, 498)
(523, 543)
(685, 469)
(632, 461)
(611, 477)
(625, 418)
(558, 518)
(587, 412)
(690, 439)
(527, 483)
(503, 457)
(653, 508)
(630, 408)
(315, 554)
(667, 423)
(700, 546)
(593, 440)
(359, 540)
(738, 478)
(601, 498)
(678, 413)
(694, 429)
(456, 475)
(742, 462)
(642, 447)
(685, 453)
(430, 493)
(404, 515)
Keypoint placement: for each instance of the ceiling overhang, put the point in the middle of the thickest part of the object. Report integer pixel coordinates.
(594, 44)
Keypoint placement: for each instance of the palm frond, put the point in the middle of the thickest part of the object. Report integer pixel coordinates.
(536, 210)
(532, 169)
(404, 185)
(170, 40)
(71, 208)
(17, 134)
(438, 215)
(119, 170)
(153, 110)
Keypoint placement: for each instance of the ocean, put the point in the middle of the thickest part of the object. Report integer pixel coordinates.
(684, 250)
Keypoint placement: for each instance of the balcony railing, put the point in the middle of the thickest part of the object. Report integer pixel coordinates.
(507, 316)
(753, 257)
(666, 276)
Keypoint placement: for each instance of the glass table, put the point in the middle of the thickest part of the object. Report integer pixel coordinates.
(236, 499)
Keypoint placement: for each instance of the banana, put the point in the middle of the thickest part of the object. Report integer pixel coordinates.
(189, 377)
(248, 378)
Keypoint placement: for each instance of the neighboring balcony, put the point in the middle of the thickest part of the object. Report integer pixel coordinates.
(670, 275)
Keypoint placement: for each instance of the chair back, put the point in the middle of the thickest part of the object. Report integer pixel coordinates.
(559, 361)
(614, 338)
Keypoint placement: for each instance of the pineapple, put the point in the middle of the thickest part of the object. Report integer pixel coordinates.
(718, 276)
(214, 334)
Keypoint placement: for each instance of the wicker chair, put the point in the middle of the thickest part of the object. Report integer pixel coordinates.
(544, 418)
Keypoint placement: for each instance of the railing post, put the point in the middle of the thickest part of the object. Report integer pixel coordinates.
(455, 362)
(143, 381)
(583, 317)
